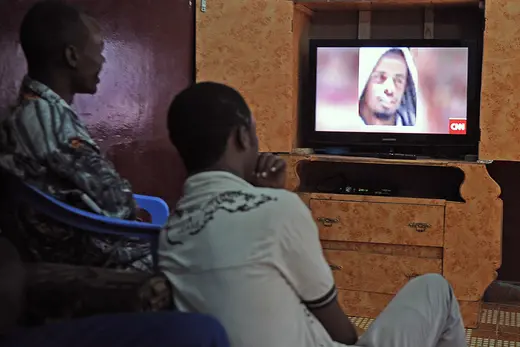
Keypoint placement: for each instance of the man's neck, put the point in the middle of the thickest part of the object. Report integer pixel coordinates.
(56, 83)
(220, 167)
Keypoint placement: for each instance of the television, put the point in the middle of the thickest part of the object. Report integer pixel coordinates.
(415, 97)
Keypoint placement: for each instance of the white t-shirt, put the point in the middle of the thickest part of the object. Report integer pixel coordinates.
(251, 257)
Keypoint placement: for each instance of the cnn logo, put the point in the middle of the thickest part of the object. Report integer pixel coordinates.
(457, 126)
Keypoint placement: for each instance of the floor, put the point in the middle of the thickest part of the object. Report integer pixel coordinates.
(499, 327)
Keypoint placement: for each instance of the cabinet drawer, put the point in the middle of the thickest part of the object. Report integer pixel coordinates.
(418, 225)
(378, 273)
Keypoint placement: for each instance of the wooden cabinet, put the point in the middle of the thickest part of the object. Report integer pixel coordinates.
(247, 44)
(450, 224)
(374, 243)
(257, 46)
(331, 5)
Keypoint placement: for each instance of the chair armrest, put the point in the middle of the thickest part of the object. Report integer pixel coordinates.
(89, 221)
(86, 220)
(155, 206)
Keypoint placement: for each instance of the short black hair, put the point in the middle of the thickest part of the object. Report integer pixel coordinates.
(201, 119)
(47, 28)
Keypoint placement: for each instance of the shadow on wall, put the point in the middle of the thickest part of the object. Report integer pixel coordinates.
(149, 51)
(507, 174)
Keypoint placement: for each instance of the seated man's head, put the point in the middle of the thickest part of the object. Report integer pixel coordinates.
(212, 128)
(60, 42)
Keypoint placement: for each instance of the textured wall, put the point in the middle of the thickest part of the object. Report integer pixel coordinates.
(149, 51)
(500, 104)
(248, 45)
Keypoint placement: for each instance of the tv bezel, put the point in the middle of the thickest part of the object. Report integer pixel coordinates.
(320, 139)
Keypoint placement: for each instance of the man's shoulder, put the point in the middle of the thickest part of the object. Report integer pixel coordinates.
(260, 201)
(31, 108)
(256, 205)
(276, 194)
(285, 201)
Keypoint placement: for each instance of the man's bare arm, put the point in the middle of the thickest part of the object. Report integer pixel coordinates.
(337, 324)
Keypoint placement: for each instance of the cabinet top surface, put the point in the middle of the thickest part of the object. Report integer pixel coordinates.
(329, 5)
(368, 160)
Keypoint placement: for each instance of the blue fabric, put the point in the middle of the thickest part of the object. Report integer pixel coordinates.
(159, 329)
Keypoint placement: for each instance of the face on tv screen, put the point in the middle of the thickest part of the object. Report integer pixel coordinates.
(420, 90)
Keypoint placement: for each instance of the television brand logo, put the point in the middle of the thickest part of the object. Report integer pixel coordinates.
(457, 127)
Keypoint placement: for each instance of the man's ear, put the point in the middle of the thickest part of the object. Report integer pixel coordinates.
(71, 56)
(243, 137)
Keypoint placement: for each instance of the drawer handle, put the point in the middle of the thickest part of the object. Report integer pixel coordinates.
(327, 222)
(419, 227)
(335, 267)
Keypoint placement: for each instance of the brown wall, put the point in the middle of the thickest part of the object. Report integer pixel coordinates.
(149, 51)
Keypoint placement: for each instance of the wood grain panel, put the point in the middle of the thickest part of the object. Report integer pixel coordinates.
(470, 311)
(378, 273)
(473, 230)
(375, 199)
(400, 250)
(473, 235)
(500, 102)
(248, 44)
(472, 241)
(379, 222)
(374, 160)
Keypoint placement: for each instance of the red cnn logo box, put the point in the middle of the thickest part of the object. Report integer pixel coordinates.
(457, 127)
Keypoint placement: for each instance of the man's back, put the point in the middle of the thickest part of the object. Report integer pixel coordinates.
(226, 252)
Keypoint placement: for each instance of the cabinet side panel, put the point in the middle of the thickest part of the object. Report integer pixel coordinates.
(248, 45)
(500, 104)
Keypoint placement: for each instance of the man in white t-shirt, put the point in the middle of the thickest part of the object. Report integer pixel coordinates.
(244, 250)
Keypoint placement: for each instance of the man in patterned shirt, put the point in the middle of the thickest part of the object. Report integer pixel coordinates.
(44, 142)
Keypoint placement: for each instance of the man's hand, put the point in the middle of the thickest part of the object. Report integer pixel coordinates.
(269, 172)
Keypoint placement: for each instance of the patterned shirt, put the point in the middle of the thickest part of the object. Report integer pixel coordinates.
(45, 143)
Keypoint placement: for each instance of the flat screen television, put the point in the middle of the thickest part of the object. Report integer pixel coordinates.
(418, 97)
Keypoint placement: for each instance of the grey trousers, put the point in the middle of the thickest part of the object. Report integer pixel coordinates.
(424, 313)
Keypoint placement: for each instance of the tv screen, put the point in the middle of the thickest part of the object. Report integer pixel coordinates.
(369, 91)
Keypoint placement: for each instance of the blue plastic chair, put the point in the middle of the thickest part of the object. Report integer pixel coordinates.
(92, 222)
